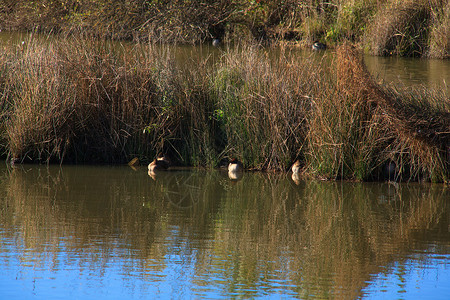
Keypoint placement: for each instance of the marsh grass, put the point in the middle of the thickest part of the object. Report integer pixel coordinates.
(79, 100)
(83, 100)
(263, 105)
(439, 41)
(410, 28)
(368, 126)
(351, 20)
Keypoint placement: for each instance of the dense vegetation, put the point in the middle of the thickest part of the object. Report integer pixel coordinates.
(80, 100)
(381, 27)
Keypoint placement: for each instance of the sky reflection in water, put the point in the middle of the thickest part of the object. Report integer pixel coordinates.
(413, 279)
(110, 232)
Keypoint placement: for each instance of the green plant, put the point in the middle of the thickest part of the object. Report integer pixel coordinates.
(350, 22)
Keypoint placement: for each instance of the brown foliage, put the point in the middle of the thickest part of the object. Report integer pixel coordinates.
(426, 132)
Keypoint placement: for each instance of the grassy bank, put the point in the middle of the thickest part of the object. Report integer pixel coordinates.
(78, 100)
(382, 27)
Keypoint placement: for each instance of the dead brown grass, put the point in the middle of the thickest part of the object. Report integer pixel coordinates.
(424, 131)
(410, 28)
(439, 41)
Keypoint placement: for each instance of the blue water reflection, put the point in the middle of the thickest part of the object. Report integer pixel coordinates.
(422, 277)
(114, 233)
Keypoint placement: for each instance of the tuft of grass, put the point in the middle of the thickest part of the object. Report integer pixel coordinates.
(368, 126)
(262, 105)
(80, 100)
(401, 28)
(439, 40)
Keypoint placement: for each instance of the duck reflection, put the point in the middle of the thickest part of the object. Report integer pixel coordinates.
(295, 172)
(235, 176)
(296, 178)
(152, 174)
(134, 163)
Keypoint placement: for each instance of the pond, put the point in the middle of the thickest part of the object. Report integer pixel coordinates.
(84, 232)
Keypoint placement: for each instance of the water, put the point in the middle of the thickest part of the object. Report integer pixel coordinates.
(410, 71)
(84, 232)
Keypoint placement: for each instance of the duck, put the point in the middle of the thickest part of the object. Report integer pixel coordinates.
(296, 167)
(216, 42)
(318, 46)
(159, 163)
(235, 166)
(235, 169)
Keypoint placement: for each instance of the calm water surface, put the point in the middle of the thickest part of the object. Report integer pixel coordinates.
(116, 233)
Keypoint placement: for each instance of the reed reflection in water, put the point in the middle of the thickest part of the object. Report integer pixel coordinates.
(84, 232)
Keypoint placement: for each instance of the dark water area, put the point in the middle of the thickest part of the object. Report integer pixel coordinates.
(84, 232)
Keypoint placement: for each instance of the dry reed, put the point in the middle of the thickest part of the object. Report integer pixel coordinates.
(263, 105)
(404, 28)
(417, 126)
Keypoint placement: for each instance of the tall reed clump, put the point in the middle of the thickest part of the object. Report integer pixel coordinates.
(420, 118)
(439, 41)
(4, 94)
(80, 100)
(400, 28)
(262, 105)
(199, 138)
(36, 102)
(363, 129)
(344, 134)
